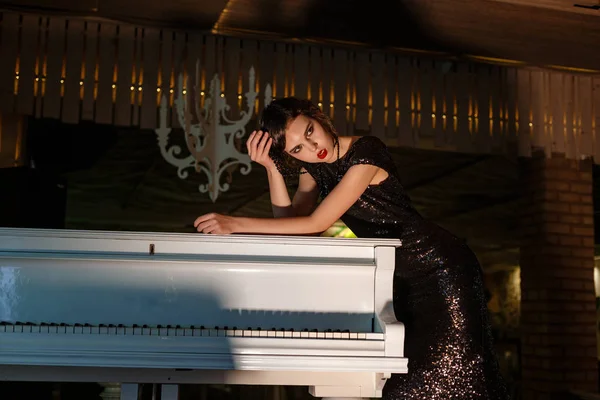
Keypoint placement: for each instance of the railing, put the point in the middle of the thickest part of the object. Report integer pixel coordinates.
(75, 69)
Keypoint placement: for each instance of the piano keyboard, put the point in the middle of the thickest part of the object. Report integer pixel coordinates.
(64, 329)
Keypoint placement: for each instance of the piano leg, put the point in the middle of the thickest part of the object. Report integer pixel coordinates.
(129, 391)
(169, 392)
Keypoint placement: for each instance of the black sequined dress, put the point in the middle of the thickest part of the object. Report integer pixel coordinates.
(438, 287)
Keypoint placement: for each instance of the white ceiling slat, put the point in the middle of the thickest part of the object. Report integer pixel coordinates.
(265, 70)
(178, 70)
(405, 88)
(89, 79)
(556, 131)
(481, 128)
(524, 98)
(106, 65)
(497, 123)
(463, 115)
(249, 60)
(280, 70)
(232, 76)
(138, 68)
(316, 69)
(340, 113)
(538, 101)
(378, 94)
(425, 98)
(509, 80)
(391, 129)
(584, 113)
(149, 106)
(438, 113)
(74, 62)
(39, 86)
(572, 134)
(166, 66)
(27, 64)
(301, 71)
(126, 51)
(54, 68)
(362, 80)
(8, 55)
(596, 116)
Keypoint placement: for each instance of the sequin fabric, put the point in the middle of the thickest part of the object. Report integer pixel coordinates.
(438, 287)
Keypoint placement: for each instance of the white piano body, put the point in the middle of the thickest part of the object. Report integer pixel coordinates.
(160, 308)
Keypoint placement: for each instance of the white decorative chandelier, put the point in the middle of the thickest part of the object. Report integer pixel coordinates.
(209, 134)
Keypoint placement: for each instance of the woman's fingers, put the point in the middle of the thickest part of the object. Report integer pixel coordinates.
(255, 143)
(249, 143)
(263, 147)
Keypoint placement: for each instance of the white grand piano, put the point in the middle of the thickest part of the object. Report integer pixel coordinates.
(91, 306)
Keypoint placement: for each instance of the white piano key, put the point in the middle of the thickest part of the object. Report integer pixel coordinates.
(337, 335)
(163, 331)
(78, 330)
(280, 334)
(312, 335)
(188, 332)
(238, 333)
(296, 335)
(121, 330)
(374, 336)
(353, 335)
(255, 333)
(362, 336)
(287, 334)
(304, 334)
(264, 333)
(321, 335)
(230, 332)
(104, 330)
(271, 333)
(328, 335)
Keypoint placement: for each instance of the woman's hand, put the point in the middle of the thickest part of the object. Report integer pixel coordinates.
(259, 144)
(216, 224)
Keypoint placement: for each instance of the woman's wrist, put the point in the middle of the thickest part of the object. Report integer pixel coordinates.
(273, 171)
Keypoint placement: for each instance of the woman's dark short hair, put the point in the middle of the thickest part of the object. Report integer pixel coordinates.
(275, 119)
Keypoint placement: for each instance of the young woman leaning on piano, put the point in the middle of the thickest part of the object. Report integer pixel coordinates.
(438, 288)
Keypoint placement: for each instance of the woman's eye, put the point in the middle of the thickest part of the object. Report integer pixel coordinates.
(309, 131)
(296, 150)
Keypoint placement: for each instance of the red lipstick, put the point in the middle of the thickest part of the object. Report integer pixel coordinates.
(322, 154)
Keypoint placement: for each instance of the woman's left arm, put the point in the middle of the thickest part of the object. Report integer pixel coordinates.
(351, 187)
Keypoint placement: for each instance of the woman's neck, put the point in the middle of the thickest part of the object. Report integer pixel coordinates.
(345, 142)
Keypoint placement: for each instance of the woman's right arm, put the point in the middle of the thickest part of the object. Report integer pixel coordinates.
(306, 196)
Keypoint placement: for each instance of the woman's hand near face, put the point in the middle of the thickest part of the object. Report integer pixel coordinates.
(259, 143)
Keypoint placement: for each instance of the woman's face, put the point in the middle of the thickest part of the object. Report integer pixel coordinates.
(306, 141)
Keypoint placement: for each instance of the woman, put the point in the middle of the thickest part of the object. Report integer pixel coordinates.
(438, 288)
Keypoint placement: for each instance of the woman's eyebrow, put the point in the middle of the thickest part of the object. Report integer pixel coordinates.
(308, 124)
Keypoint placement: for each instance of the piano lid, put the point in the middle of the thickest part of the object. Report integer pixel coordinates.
(258, 282)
